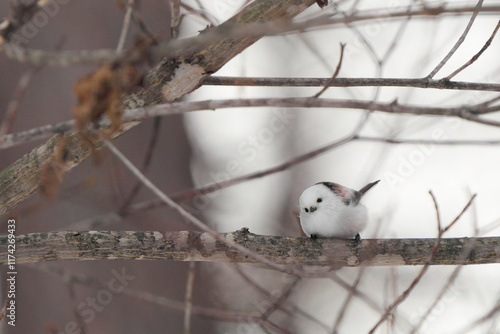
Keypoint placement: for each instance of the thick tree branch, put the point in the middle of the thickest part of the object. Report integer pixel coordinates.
(199, 246)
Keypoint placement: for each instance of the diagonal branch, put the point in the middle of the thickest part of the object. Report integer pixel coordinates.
(431, 259)
(458, 42)
(168, 81)
(477, 55)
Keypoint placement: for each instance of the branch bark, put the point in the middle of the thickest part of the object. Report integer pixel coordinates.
(351, 82)
(169, 80)
(200, 246)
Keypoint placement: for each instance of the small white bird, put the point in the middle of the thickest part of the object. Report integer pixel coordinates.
(329, 210)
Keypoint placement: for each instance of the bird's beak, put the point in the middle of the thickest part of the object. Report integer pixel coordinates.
(313, 208)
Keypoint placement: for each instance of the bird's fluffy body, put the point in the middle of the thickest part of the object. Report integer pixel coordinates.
(329, 210)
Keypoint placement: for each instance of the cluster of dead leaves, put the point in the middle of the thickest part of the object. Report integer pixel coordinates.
(98, 94)
(53, 172)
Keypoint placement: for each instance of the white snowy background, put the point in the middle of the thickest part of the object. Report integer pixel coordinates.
(234, 142)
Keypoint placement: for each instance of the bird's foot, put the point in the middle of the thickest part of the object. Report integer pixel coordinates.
(357, 239)
(314, 236)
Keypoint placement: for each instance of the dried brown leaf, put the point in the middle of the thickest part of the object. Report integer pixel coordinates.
(53, 172)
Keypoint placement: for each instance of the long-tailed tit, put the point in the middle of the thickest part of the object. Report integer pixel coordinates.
(329, 210)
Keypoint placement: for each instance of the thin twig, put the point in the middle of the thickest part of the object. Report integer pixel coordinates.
(125, 27)
(198, 13)
(402, 297)
(442, 142)
(176, 18)
(184, 195)
(459, 41)
(477, 55)
(438, 214)
(191, 193)
(335, 74)
(347, 301)
(294, 309)
(367, 299)
(460, 214)
(171, 304)
(137, 17)
(45, 131)
(349, 82)
(65, 58)
(186, 215)
(492, 313)
(14, 103)
(465, 112)
(279, 300)
(451, 279)
(145, 165)
(189, 297)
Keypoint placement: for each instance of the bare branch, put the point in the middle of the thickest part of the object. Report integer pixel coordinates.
(335, 74)
(445, 287)
(125, 27)
(252, 30)
(176, 18)
(189, 298)
(160, 85)
(200, 246)
(279, 300)
(184, 213)
(140, 114)
(492, 313)
(171, 304)
(431, 259)
(294, 310)
(350, 82)
(397, 141)
(13, 106)
(438, 214)
(477, 55)
(184, 195)
(145, 165)
(459, 41)
(466, 112)
(347, 301)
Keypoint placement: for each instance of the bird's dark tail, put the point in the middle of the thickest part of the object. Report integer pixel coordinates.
(368, 187)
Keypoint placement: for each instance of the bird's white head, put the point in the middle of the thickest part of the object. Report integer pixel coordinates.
(322, 197)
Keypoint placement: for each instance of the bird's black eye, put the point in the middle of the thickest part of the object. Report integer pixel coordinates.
(319, 200)
(306, 210)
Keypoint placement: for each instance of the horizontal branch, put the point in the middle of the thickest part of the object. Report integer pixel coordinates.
(467, 112)
(174, 48)
(199, 246)
(171, 48)
(350, 82)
